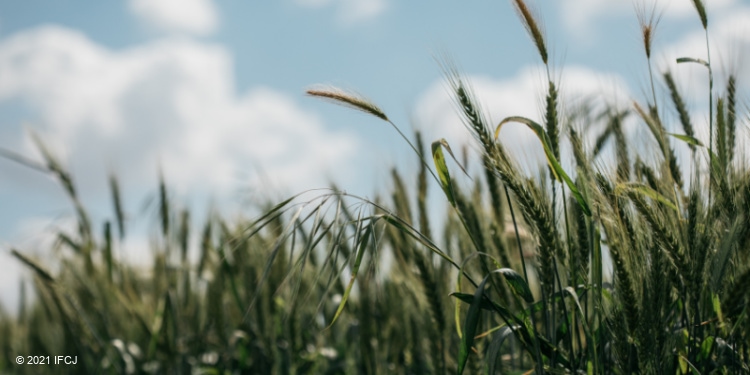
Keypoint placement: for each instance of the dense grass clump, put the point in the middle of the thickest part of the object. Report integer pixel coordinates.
(513, 282)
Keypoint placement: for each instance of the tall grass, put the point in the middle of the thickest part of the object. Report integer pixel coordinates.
(513, 282)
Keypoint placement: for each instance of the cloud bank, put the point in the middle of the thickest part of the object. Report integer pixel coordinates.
(170, 102)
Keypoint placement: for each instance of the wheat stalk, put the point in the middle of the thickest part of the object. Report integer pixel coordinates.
(679, 104)
(529, 22)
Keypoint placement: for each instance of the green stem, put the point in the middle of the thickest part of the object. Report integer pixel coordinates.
(538, 354)
(710, 116)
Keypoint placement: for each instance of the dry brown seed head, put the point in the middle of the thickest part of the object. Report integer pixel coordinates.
(648, 19)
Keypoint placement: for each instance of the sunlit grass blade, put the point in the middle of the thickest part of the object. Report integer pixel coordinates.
(443, 173)
(687, 139)
(640, 189)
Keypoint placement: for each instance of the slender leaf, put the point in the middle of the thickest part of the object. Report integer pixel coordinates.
(470, 326)
(558, 171)
(687, 139)
(693, 60)
(640, 189)
(363, 243)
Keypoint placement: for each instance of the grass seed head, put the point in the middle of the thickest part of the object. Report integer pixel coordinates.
(648, 19)
(679, 104)
(701, 12)
(348, 99)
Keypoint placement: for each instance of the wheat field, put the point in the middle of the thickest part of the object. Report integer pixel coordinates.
(514, 280)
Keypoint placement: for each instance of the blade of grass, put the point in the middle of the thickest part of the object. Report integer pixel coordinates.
(363, 243)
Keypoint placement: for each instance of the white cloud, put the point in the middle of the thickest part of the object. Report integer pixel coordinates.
(350, 11)
(170, 103)
(194, 16)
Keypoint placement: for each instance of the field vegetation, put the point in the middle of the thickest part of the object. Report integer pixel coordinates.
(515, 279)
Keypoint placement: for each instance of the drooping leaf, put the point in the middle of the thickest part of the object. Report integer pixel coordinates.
(558, 171)
(693, 60)
(517, 284)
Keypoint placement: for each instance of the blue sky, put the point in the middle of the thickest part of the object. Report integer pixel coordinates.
(212, 91)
